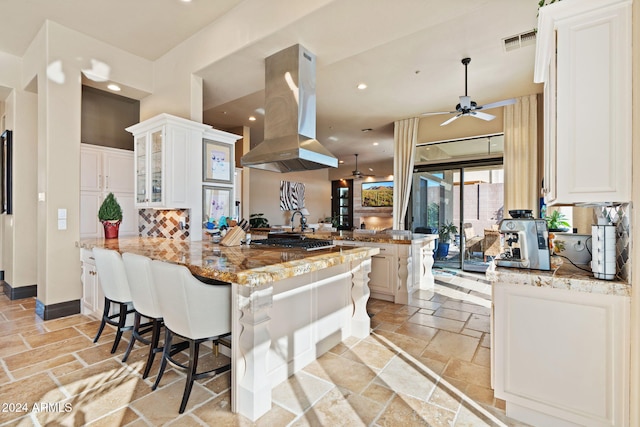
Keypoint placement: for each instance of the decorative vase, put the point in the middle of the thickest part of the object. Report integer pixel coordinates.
(443, 250)
(111, 229)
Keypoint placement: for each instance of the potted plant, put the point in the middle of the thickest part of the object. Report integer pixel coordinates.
(445, 233)
(557, 221)
(110, 214)
(257, 220)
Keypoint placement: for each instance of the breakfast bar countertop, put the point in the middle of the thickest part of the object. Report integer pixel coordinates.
(244, 265)
(566, 277)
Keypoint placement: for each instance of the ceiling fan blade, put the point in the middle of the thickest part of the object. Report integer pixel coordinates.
(437, 113)
(450, 120)
(497, 104)
(481, 115)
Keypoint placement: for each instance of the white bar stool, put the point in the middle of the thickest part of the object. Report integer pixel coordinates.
(145, 304)
(115, 287)
(193, 310)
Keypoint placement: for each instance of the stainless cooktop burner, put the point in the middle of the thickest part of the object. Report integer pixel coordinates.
(306, 244)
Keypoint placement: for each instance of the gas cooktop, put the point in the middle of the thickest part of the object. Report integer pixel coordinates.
(306, 244)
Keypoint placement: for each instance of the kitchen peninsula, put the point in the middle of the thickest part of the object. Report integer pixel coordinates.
(402, 266)
(289, 306)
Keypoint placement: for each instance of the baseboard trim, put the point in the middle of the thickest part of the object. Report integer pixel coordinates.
(54, 311)
(19, 293)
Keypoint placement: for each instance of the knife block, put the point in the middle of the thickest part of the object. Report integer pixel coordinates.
(234, 237)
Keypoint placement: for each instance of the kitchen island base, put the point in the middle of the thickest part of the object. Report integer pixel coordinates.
(280, 327)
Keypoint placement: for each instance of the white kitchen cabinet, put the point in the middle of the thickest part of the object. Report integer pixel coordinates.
(561, 357)
(381, 278)
(583, 56)
(392, 272)
(105, 170)
(92, 295)
(168, 162)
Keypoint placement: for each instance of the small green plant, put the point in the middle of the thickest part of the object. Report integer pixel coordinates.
(110, 209)
(446, 230)
(557, 221)
(258, 221)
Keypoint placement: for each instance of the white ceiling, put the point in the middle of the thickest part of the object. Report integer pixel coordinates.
(408, 52)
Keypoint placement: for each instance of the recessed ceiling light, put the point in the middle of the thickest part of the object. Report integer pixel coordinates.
(333, 138)
(370, 170)
(362, 86)
(114, 87)
(375, 143)
(341, 161)
(252, 119)
(186, 1)
(367, 130)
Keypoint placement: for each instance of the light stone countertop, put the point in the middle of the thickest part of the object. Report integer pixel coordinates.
(244, 265)
(565, 277)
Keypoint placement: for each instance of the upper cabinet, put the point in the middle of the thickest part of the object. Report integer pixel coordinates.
(105, 170)
(583, 57)
(167, 161)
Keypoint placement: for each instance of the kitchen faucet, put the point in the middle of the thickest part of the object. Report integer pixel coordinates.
(303, 221)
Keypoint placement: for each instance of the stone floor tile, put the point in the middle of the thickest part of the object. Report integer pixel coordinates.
(408, 411)
(38, 339)
(478, 322)
(469, 373)
(44, 353)
(437, 322)
(299, 392)
(11, 344)
(373, 355)
(403, 376)
(448, 313)
(161, 406)
(342, 372)
(454, 345)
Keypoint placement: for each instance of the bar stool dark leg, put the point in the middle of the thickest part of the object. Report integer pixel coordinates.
(165, 355)
(105, 315)
(121, 322)
(134, 335)
(194, 350)
(153, 348)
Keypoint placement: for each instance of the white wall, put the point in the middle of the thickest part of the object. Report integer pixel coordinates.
(57, 57)
(265, 194)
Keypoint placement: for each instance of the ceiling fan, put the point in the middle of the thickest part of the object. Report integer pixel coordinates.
(356, 173)
(467, 107)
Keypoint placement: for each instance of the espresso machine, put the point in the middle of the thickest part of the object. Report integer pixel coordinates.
(525, 243)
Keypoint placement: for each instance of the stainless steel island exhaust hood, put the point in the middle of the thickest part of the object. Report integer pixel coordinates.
(290, 116)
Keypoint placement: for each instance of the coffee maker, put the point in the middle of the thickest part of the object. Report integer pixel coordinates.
(525, 242)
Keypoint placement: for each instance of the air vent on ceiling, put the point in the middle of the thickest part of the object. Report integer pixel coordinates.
(519, 40)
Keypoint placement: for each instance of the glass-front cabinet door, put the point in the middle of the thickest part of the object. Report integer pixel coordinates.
(149, 173)
(156, 166)
(141, 169)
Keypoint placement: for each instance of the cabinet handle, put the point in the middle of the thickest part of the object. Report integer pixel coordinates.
(107, 178)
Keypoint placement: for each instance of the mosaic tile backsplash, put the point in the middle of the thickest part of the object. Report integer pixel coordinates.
(620, 216)
(163, 223)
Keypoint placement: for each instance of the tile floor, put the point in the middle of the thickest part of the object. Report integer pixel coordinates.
(425, 364)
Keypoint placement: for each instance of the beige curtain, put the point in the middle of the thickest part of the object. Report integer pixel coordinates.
(521, 180)
(405, 134)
